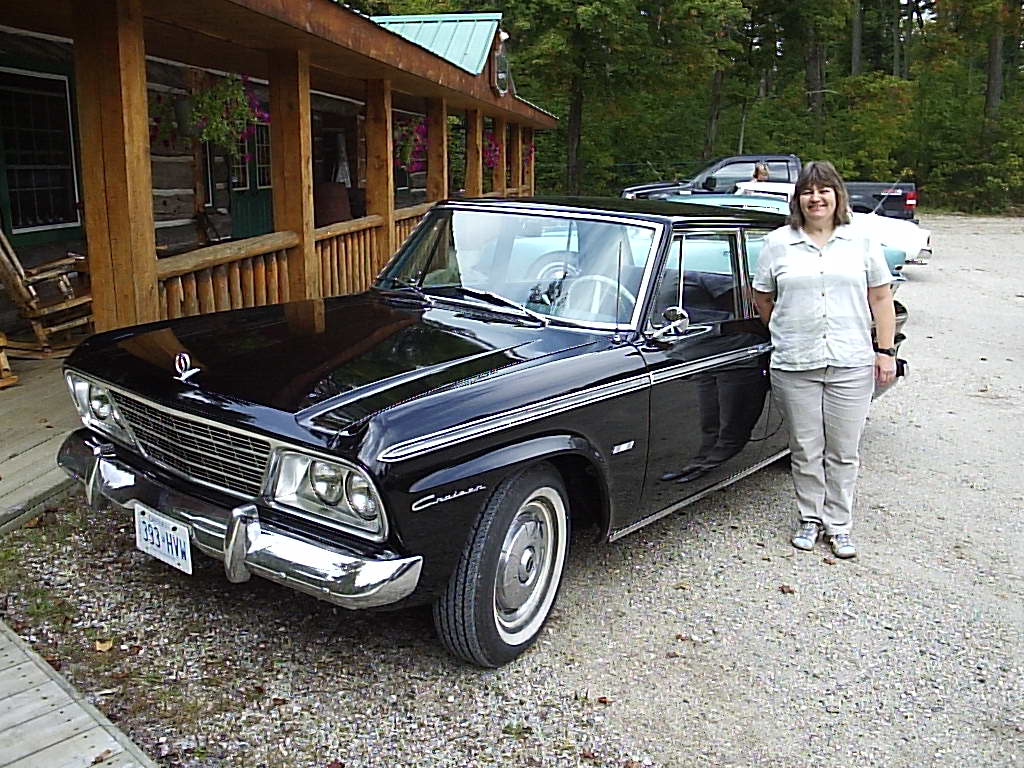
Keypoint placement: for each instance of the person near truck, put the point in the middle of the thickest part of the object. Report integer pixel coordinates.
(818, 284)
(760, 172)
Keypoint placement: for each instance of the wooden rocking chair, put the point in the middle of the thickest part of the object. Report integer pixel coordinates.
(7, 378)
(54, 300)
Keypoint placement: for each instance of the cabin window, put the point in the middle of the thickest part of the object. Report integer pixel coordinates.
(261, 141)
(38, 185)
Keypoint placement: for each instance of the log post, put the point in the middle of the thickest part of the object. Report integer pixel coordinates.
(437, 149)
(516, 158)
(380, 165)
(292, 167)
(529, 150)
(474, 153)
(113, 118)
(500, 169)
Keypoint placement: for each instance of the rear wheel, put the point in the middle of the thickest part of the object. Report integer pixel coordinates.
(508, 577)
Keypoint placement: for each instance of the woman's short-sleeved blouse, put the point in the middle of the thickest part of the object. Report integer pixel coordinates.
(821, 315)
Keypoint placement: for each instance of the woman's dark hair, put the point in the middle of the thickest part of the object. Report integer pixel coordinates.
(819, 173)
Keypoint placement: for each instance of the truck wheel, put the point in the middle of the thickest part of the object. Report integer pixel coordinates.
(508, 577)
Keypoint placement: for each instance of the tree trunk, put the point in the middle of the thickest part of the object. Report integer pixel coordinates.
(815, 78)
(574, 163)
(856, 33)
(897, 68)
(714, 108)
(994, 86)
(743, 127)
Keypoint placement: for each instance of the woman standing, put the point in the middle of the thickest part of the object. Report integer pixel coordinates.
(818, 284)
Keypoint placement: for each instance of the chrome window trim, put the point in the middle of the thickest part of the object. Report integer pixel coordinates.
(659, 228)
(276, 447)
(514, 417)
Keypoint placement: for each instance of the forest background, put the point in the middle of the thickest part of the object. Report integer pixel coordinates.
(927, 91)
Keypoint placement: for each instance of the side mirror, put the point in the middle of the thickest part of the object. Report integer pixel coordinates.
(678, 322)
(710, 184)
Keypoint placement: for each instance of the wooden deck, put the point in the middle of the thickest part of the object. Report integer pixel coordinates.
(45, 723)
(35, 415)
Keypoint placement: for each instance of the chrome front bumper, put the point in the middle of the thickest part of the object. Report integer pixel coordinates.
(339, 576)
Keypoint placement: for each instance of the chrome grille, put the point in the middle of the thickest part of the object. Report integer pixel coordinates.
(197, 450)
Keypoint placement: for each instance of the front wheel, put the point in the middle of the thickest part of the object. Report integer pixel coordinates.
(507, 579)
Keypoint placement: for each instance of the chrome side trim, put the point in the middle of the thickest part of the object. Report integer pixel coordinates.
(618, 534)
(688, 369)
(512, 418)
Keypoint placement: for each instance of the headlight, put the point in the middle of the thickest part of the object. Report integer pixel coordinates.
(96, 407)
(328, 481)
(336, 491)
(360, 496)
(99, 403)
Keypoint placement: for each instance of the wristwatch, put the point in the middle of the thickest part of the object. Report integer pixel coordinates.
(890, 351)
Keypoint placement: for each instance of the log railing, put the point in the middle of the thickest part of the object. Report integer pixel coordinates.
(406, 220)
(347, 255)
(245, 273)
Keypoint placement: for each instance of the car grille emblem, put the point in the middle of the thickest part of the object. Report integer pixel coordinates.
(183, 365)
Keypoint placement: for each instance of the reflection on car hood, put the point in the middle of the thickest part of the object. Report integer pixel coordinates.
(353, 355)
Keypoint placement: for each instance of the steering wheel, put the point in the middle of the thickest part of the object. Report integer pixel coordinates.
(604, 287)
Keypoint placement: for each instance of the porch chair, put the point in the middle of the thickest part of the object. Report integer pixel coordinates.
(54, 300)
(7, 378)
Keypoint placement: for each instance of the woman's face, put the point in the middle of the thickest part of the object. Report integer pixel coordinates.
(818, 205)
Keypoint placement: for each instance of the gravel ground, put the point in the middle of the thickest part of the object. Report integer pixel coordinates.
(704, 639)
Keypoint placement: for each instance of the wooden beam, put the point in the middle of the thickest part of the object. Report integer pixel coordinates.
(499, 171)
(292, 167)
(474, 153)
(380, 164)
(516, 157)
(437, 149)
(113, 118)
(529, 153)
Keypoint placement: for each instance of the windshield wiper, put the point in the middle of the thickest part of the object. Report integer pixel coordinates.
(399, 284)
(498, 299)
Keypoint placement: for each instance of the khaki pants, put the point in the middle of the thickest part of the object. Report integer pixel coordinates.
(825, 410)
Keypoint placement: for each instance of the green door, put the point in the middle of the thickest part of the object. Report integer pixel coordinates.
(252, 203)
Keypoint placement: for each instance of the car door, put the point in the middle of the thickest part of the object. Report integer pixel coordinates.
(709, 383)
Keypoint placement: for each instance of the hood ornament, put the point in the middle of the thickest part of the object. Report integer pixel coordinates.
(183, 365)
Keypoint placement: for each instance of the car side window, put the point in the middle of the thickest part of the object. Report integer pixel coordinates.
(778, 170)
(753, 243)
(728, 175)
(698, 275)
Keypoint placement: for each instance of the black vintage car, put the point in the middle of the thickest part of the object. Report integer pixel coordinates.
(519, 367)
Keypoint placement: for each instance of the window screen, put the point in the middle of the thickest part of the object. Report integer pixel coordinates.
(38, 159)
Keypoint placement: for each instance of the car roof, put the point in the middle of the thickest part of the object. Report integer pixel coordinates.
(660, 210)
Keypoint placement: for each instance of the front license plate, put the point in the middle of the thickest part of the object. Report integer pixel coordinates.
(163, 538)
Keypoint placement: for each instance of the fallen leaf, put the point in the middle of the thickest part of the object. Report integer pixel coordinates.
(829, 560)
(53, 661)
(277, 701)
(682, 585)
(121, 675)
(604, 700)
(106, 754)
(673, 655)
(683, 637)
(335, 764)
(102, 646)
(787, 589)
(586, 754)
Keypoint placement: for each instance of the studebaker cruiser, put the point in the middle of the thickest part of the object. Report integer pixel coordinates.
(519, 367)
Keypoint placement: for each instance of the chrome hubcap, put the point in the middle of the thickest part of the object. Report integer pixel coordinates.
(529, 565)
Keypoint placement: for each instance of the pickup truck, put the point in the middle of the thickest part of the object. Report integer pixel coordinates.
(897, 200)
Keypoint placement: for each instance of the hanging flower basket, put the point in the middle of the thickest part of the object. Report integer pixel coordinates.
(410, 144)
(220, 115)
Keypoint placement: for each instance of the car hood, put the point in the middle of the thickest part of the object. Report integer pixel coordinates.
(352, 355)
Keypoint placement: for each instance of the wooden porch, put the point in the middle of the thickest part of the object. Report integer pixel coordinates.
(297, 48)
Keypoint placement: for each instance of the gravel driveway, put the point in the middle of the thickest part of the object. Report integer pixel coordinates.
(704, 639)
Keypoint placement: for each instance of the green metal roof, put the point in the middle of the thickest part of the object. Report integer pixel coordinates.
(464, 39)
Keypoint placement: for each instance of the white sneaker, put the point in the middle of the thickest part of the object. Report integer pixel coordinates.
(842, 545)
(806, 536)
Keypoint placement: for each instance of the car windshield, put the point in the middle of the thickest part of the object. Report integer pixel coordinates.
(573, 269)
